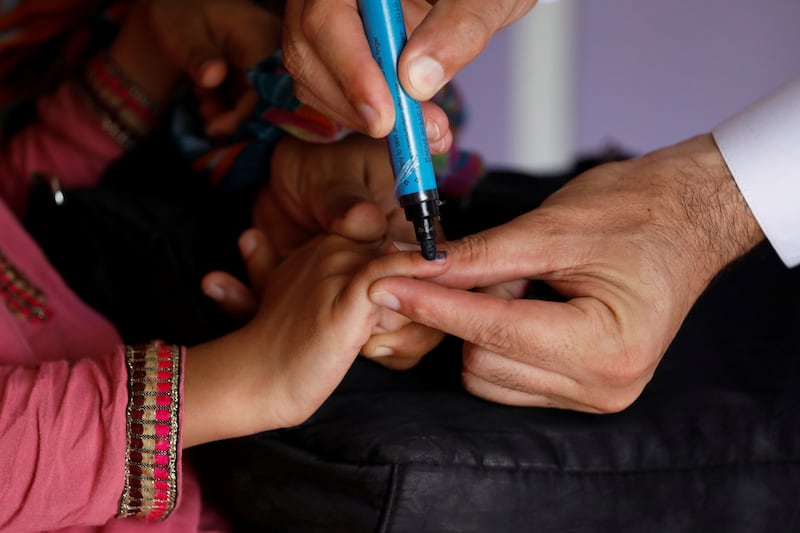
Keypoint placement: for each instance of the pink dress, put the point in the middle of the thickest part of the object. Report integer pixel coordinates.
(89, 429)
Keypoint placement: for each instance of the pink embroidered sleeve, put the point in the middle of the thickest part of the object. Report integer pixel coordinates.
(86, 441)
(82, 127)
(68, 141)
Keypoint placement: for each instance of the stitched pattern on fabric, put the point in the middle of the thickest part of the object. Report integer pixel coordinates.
(151, 462)
(127, 113)
(24, 299)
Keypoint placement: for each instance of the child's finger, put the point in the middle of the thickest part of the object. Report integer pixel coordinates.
(259, 258)
(233, 296)
(225, 121)
(362, 221)
(403, 348)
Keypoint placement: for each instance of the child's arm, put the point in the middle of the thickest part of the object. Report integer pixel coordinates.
(63, 440)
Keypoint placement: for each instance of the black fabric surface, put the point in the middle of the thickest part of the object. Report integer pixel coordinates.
(136, 247)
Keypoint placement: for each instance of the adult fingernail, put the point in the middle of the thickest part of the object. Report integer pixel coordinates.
(370, 116)
(382, 351)
(386, 299)
(432, 131)
(214, 291)
(425, 75)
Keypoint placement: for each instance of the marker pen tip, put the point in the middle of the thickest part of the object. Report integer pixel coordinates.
(428, 247)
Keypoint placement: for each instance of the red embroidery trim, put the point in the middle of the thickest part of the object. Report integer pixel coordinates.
(151, 466)
(126, 112)
(24, 299)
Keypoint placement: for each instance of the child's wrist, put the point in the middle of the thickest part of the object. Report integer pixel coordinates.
(227, 389)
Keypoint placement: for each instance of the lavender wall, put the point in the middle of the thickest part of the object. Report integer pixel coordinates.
(651, 72)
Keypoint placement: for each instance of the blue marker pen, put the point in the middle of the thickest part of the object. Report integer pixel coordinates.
(415, 182)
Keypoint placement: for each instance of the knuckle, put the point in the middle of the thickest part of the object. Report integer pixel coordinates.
(474, 248)
(305, 95)
(296, 56)
(479, 363)
(475, 28)
(621, 379)
(498, 335)
(615, 403)
(619, 371)
(315, 16)
(335, 262)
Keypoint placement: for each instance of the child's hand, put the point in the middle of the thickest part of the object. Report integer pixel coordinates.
(397, 342)
(275, 372)
(345, 188)
(316, 189)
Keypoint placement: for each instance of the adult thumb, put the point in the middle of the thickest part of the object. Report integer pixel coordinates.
(433, 56)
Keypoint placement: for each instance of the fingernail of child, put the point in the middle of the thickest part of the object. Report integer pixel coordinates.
(426, 75)
(382, 351)
(386, 299)
(215, 292)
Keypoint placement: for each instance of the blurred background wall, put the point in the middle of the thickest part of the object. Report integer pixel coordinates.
(646, 72)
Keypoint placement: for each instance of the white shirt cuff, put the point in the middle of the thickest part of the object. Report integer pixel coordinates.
(761, 146)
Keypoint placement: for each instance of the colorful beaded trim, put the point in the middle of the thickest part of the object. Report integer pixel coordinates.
(151, 463)
(24, 299)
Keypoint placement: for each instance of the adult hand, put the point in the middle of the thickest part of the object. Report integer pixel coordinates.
(630, 246)
(327, 54)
